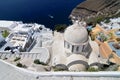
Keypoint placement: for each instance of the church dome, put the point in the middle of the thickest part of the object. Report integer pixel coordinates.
(76, 34)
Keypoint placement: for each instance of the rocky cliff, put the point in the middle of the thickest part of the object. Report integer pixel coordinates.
(94, 8)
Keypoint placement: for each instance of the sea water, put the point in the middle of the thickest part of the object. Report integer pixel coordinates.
(46, 12)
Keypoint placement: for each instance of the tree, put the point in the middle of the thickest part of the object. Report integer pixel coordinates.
(37, 61)
(103, 37)
(5, 33)
(19, 65)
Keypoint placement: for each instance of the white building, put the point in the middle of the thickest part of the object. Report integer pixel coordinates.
(7, 25)
(113, 24)
(76, 40)
(73, 49)
(20, 39)
(25, 28)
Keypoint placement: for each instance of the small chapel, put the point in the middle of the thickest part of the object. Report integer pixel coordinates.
(78, 52)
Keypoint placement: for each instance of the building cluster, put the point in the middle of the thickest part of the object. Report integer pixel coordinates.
(107, 35)
(22, 36)
(73, 50)
(76, 50)
(27, 41)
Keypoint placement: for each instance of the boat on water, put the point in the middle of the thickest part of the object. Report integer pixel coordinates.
(51, 16)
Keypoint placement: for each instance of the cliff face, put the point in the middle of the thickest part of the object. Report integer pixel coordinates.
(93, 8)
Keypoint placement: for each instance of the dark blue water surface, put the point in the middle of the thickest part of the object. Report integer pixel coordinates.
(38, 11)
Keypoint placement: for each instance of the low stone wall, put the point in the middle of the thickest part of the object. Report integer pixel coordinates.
(42, 56)
(64, 74)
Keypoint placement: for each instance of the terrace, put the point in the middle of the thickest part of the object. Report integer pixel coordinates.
(18, 40)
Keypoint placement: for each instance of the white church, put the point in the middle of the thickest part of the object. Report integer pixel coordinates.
(74, 50)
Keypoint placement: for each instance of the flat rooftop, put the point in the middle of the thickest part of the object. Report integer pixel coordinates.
(23, 27)
(6, 23)
(19, 39)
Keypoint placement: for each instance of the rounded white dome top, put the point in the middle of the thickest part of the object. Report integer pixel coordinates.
(76, 34)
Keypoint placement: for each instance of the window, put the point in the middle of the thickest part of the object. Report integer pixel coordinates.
(64, 44)
(83, 48)
(99, 55)
(68, 46)
(77, 48)
(72, 48)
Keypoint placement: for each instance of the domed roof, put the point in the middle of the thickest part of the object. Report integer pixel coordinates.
(76, 62)
(76, 34)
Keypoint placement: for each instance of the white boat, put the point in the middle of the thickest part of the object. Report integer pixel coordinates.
(51, 16)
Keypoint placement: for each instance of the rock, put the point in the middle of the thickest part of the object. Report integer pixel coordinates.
(93, 8)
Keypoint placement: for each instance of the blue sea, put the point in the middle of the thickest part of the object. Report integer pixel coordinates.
(46, 12)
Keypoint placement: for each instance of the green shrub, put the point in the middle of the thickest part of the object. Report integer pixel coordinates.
(19, 65)
(37, 61)
(5, 33)
(92, 69)
(60, 27)
(58, 68)
(17, 58)
(112, 67)
(43, 63)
